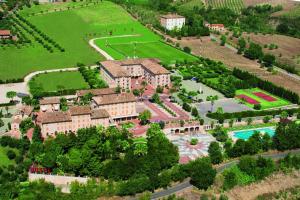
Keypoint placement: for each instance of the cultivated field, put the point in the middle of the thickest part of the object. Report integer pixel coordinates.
(206, 48)
(235, 5)
(288, 47)
(55, 81)
(261, 97)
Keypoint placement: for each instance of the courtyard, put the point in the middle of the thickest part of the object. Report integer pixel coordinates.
(187, 151)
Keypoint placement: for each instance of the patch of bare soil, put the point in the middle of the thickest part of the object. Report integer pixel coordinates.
(286, 4)
(207, 48)
(273, 183)
(288, 47)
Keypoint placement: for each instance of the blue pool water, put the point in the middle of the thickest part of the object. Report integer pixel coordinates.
(245, 134)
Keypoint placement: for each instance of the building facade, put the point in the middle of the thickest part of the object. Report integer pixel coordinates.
(119, 73)
(172, 21)
(119, 106)
(216, 27)
(75, 118)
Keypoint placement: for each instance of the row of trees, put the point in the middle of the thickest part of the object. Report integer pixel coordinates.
(92, 76)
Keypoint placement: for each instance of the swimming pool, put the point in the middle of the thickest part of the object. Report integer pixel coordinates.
(246, 134)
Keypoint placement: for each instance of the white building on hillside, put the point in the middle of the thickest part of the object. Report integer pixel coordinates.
(172, 21)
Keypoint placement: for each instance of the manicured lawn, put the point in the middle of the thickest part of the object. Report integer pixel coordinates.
(4, 161)
(146, 46)
(264, 103)
(72, 29)
(55, 80)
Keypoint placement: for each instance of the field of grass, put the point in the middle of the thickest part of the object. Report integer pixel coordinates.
(60, 80)
(71, 29)
(264, 104)
(293, 13)
(133, 47)
(235, 5)
(4, 161)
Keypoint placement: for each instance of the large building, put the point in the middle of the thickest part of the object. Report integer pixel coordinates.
(119, 106)
(119, 73)
(172, 21)
(75, 118)
(49, 104)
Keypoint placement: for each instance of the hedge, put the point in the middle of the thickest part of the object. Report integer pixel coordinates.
(249, 113)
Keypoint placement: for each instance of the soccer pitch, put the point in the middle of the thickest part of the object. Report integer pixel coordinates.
(143, 49)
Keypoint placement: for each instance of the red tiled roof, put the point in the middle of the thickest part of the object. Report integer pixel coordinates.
(114, 99)
(80, 110)
(4, 32)
(97, 92)
(172, 16)
(49, 100)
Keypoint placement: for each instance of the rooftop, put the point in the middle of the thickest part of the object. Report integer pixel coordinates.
(113, 67)
(114, 99)
(80, 110)
(54, 117)
(96, 92)
(150, 64)
(49, 100)
(4, 32)
(172, 16)
(99, 113)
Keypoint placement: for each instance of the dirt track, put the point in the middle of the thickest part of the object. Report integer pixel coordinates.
(206, 48)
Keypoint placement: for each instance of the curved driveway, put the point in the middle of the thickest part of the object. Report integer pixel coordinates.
(186, 184)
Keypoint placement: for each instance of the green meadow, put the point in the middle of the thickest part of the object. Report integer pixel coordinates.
(51, 82)
(72, 29)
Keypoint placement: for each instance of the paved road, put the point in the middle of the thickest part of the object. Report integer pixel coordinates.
(186, 184)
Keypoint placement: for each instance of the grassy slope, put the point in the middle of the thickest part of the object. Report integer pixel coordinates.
(69, 29)
(70, 80)
(265, 104)
(4, 161)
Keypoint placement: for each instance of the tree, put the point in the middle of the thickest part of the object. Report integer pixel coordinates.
(159, 89)
(186, 107)
(230, 180)
(220, 134)
(223, 40)
(25, 125)
(136, 92)
(144, 117)
(187, 49)
(215, 153)
(241, 45)
(155, 98)
(254, 51)
(212, 100)
(64, 104)
(268, 60)
(249, 120)
(1, 122)
(195, 112)
(202, 173)
(36, 136)
(11, 95)
(11, 154)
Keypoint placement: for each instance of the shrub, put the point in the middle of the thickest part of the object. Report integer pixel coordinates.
(11, 154)
(194, 141)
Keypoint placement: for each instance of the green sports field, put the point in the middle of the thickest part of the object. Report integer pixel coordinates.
(54, 81)
(264, 103)
(72, 29)
(133, 47)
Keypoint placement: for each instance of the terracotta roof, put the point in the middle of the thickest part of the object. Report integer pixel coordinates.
(26, 110)
(96, 92)
(80, 110)
(114, 99)
(217, 25)
(113, 67)
(54, 117)
(172, 16)
(99, 113)
(150, 64)
(154, 67)
(4, 32)
(49, 100)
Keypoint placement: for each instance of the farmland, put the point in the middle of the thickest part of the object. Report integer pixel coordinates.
(235, 5)
(207, 48)
(257, 96)
(72, 26)
(55, 81)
